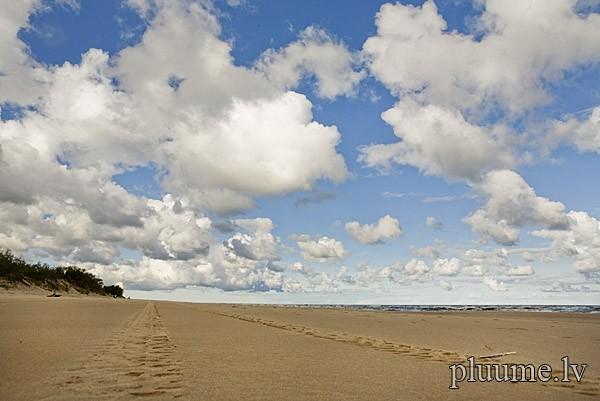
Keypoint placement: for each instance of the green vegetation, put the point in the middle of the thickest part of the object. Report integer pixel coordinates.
(16, 270)
(113, 290)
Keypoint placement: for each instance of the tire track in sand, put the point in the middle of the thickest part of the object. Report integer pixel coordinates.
(139, 361)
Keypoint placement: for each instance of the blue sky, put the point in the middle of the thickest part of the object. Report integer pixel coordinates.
(467, 148)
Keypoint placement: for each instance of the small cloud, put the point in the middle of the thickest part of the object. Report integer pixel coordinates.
(290, 26)
(433, 251)
(315, 197)
(386, 227)
(387, 194)
(567, 287)
(235, 3)
(520, 271)
(301, 269)
(371, 95)
(437, 199)
(323, 249)
(446, 285)
(494, 284)
(448, 198)
(446, 267)
(434, 223)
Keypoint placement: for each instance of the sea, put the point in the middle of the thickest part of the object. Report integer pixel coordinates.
(461, 308)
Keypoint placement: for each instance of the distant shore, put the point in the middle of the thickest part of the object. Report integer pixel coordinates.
(81, 348)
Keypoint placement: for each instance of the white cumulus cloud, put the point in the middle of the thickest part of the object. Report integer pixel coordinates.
(218, 135)
(440, 142)
(580, 240)
(511, 204)
(317, 53)
(494, 284)
(386, 228)
(504, 61)
(446, 267)
(323, 249)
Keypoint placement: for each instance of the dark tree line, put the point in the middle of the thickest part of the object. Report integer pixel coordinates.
(16, 270)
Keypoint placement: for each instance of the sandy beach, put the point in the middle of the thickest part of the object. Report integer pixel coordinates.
(90, 348)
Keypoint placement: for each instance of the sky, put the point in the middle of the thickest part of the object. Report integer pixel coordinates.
(361, 152)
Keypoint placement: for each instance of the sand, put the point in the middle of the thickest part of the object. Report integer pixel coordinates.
(85, 348)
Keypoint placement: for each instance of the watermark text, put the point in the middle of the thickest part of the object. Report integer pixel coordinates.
(514, 372)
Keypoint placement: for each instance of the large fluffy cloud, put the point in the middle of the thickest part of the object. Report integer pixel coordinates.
(580, 240)
(227, 133)
(218, 133)
(171, 231)
(513, 48)
(386, 227)
(259, 148)
(460, 92)
(244, 261)
(221, 134)
(210, 134)
(18, 72)
(511, 204)
(439, 141)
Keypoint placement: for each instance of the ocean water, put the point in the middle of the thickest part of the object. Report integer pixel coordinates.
(460, 308)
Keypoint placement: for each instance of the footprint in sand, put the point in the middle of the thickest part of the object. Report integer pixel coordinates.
(138, 361)
(588, 386)
(373, 343)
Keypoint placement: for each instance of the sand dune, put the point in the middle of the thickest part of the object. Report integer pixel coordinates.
(94, 349)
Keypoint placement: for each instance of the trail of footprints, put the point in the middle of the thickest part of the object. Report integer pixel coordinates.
(137, 362)
(375, 343)
(588, 386)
